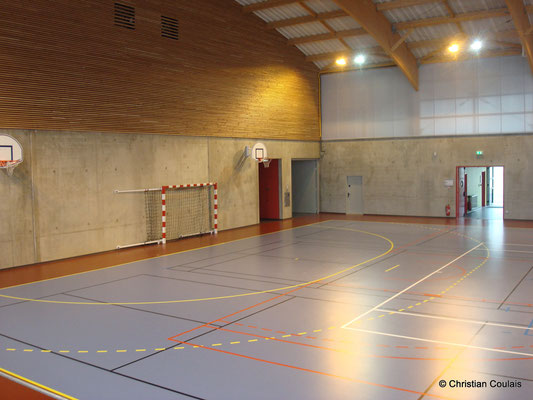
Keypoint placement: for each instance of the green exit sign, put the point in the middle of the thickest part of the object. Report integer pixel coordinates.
(479, 153)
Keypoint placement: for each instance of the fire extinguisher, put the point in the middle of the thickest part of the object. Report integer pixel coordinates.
(447, 208)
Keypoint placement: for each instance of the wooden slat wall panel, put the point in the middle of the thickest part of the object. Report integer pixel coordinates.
(66, 66)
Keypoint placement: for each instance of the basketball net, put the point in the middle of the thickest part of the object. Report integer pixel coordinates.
(9, 166)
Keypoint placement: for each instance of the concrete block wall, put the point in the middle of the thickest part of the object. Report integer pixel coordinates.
(60, 202)
(402, 177)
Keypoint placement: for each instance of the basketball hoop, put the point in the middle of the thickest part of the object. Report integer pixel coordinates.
(9, 165)
(10, 153)
(266, 163)
(259, 153)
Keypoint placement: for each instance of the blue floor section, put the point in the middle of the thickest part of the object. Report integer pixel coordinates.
(333, 310)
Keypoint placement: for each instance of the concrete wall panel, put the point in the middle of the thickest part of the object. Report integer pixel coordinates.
(403, 177)
(74, 209)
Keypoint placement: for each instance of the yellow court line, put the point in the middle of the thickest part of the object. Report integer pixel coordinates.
(221, 297)
(390, 269)
(33, 383)
(163, 255)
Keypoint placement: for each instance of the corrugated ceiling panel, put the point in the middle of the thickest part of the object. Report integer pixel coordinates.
(247, 2)
(310, 29)
(321, 6)
(281, 13)
(419, 53)
(464, 6)
(361, 42)
(483, 26)
(322, 64)
(418, 12)
(343, 23)
(373, 59)
(433, 32)
(326, 46)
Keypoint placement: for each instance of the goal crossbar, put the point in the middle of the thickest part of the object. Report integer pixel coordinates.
(177, 211)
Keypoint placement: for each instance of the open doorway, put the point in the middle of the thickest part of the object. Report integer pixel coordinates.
(479, 192)
(304, 175)
(269, 190)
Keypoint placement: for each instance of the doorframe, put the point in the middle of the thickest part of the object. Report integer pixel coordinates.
(466, 191)
(363, 197)
(316, 160)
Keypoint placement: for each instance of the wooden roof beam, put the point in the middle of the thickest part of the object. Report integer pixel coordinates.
(391, 5)
(462, 57)
(375, 23)
(508, 34)
(306, 19)
(521, 22)
(376, 51)
(420, 23)
(328, 36)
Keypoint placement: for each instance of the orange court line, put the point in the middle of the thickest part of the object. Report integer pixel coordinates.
(240, 311)
(314, 371)
(279, 340)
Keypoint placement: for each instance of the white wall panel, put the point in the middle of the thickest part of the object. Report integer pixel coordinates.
(479, 96)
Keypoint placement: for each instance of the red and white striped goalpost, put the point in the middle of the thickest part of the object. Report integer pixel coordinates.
(164, 190)
(164, 205)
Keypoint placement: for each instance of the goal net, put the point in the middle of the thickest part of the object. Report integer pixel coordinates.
(173, 212)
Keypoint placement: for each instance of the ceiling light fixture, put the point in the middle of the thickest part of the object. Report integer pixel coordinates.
(360, 59)
(454, 48)
(341, 61)
(476, 45)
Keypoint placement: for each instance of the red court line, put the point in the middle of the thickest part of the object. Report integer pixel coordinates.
(313, 371)
(344, 341)
(240, 311)
(291, 291)
(332, 349)
(279, 340)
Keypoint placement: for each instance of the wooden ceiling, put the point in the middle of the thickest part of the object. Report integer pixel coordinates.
(405, 33)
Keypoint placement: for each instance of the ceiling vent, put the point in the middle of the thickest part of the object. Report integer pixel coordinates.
(169, 28)
(124, 16)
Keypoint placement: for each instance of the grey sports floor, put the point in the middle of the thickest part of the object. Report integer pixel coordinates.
(334, 310)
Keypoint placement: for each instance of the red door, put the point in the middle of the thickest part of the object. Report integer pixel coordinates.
(269, 190)
(466, 194)
(460, 205)
(483, 189)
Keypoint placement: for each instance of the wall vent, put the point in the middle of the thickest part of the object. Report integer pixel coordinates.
(124, 16)
(169, 28)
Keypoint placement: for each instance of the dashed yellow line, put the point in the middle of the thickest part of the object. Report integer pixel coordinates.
(287, 335)
(396, 266)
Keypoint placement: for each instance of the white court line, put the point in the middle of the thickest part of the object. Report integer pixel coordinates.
(511, 251)
(468, 346)
(409, 287)
(472, 321)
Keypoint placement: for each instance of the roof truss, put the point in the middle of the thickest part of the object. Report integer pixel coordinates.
(393, 42)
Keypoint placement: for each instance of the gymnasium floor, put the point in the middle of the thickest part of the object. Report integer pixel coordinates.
(337, 309)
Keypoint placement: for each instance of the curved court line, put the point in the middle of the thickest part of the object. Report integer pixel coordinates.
(391, 243)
